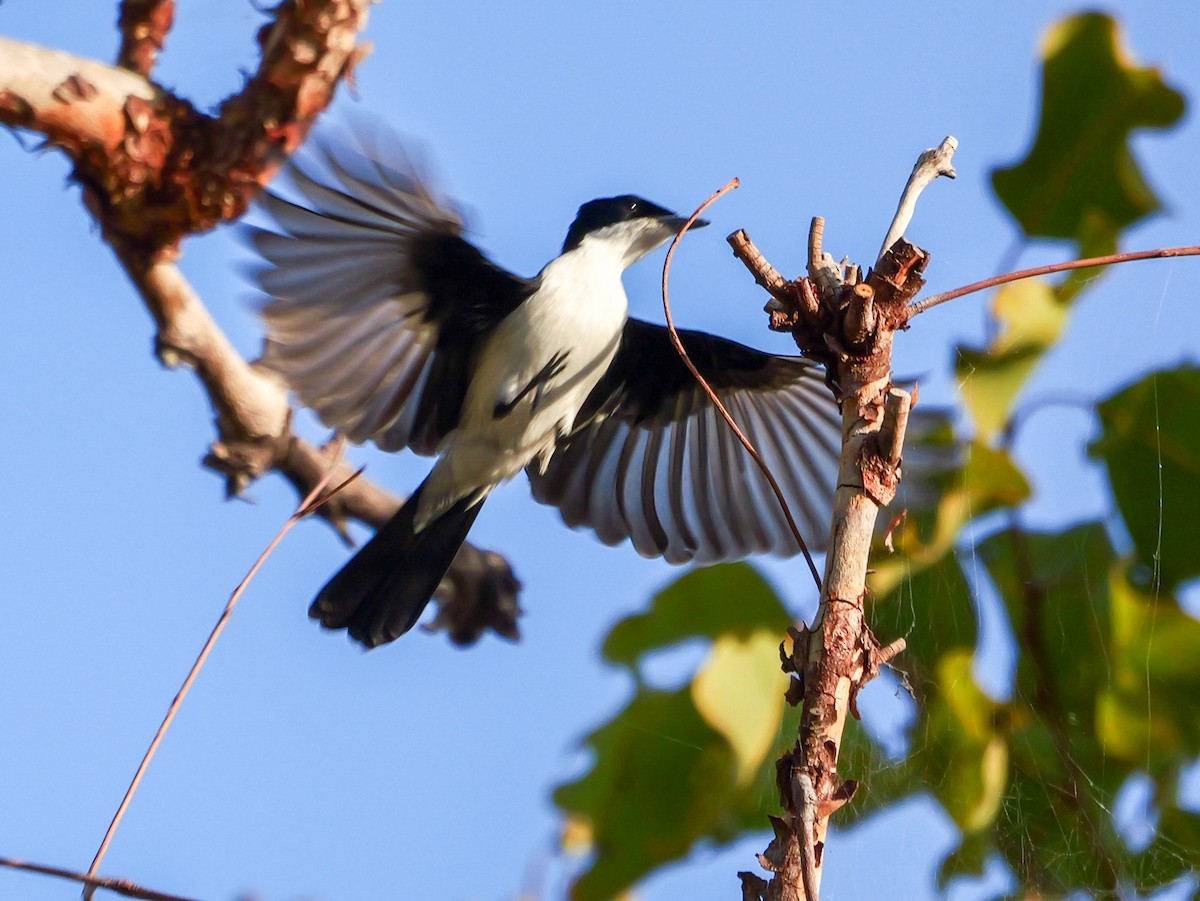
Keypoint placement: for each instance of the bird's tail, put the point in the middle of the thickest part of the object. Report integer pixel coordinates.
(380, 593)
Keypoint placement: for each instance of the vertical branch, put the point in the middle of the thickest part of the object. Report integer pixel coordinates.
(848, 324)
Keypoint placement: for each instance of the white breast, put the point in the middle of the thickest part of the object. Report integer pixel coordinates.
(579, 311)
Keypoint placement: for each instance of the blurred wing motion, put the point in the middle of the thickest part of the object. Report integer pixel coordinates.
(377, 310)
(656, 463)
(377, 301)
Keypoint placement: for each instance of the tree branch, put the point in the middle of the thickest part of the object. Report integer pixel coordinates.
(848, 324)
(120, 886)
(934, 300)
(931, 164)
(144, 25)
(78, 104)
(153, 170)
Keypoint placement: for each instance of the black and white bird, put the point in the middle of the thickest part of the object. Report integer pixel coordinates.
(394, 328)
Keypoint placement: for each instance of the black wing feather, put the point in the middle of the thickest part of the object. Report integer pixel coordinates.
(376, 302)
(650, 459)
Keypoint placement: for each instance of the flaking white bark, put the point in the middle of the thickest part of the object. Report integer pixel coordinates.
(38, 76)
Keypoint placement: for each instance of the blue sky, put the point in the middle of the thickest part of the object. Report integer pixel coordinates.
(300, 768)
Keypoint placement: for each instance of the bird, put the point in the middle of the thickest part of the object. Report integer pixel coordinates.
(393, 327)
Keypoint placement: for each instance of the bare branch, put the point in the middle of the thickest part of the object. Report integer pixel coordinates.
(825, 273)
(929, 165)
(154, 168)
(78, 104)
(312, 500)
(249, 404)
(848, 325)
(764, 273)
(921, 306)
(120, 886)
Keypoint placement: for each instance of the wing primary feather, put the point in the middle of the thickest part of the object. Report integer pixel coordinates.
(738, 464)
(678, 472)
(816, 488)
(650, 459)
(717, 492)
(785, 469)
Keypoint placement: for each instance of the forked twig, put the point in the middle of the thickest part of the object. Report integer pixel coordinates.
(920, 306)
(712, 395)
(311, 502)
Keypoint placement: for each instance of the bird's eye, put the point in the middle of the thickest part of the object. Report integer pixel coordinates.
(633, 206)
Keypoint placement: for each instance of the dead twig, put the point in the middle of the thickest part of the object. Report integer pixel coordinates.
(931, 164)
(120, 886)
(712, 395)
(311, 502)
(920, 306)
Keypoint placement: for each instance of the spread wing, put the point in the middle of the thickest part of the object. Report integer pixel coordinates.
(657, 464)
(376, 303)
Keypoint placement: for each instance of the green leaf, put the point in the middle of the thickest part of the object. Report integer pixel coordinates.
(1147, 712)
(968, 859)
(1080, 180)
(733, 599)
(1106, 684)
(975, 766)
(675, 768)
(1055, 829)
(1150, 444)
(987, 480)
(662, 779)
(1055, 588)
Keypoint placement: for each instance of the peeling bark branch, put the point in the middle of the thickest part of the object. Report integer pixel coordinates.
(848, 324)
(143, 25)
(78, 104)
(154, 170)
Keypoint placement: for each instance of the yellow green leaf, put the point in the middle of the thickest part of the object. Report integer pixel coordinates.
(1030, 318)
(739, 692)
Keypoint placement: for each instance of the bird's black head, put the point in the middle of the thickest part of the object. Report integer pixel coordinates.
(608, 211)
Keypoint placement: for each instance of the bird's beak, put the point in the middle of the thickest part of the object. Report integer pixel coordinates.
(675, 223)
